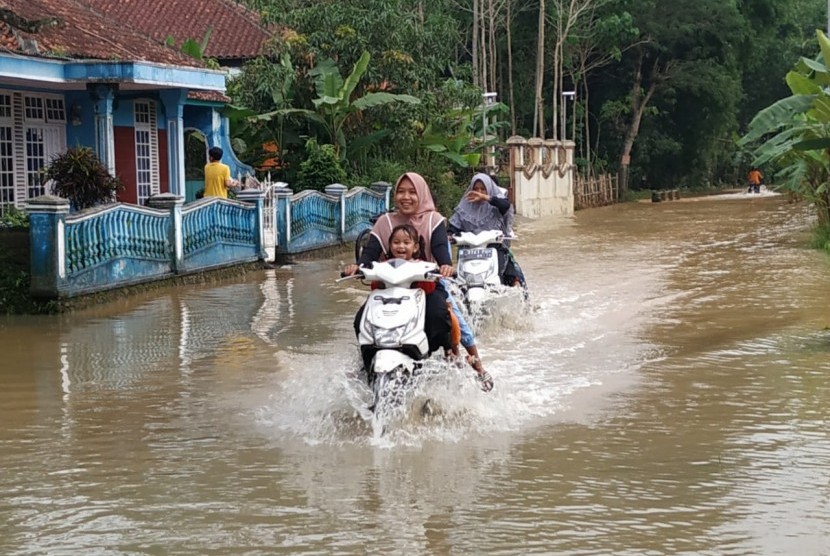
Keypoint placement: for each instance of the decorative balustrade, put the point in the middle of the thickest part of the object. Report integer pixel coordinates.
(362, 206)
(315, 220)
(120, 244)
(311, 220)
(117, 231)
(212, 221)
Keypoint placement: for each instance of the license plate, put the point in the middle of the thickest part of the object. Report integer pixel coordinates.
(474, 254)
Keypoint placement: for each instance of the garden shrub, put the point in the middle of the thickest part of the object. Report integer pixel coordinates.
(14, 218)
(320, 168)
(447, 185)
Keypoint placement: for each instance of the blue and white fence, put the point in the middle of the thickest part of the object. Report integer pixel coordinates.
(120, 244)
(310, 220)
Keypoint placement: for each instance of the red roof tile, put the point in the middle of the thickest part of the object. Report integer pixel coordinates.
(211, 96)
(236, 32)
(70, 29)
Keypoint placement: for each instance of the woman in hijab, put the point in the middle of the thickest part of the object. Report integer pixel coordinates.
(414, 206)
(485, 207)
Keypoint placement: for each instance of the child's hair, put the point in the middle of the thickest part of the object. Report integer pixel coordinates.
(413, 234)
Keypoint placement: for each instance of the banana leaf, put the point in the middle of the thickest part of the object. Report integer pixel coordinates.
(776, 116)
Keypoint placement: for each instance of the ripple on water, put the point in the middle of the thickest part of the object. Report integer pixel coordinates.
(223, 420)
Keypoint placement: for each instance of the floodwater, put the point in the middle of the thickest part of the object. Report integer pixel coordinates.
(667, 393)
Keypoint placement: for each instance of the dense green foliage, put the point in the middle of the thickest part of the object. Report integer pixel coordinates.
(14, 218)
(672, 83)
(793, 135)
(320, 168)
(14, 286)
(80, 176)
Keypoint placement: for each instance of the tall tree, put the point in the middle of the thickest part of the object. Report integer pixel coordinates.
(567, 14)
(666, 79)
(601, 38)
(539, 107)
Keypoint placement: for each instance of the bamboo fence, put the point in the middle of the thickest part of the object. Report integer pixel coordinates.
(598, 191)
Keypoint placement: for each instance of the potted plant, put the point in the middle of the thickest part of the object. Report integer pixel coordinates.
(79, 176)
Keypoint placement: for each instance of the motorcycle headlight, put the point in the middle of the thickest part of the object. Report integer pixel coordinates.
(391, 337)
(388, 337)
(477, 278)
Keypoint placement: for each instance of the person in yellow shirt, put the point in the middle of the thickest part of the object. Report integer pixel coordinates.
(218, 176)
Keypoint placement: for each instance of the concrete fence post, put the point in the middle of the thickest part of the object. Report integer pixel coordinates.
(47, 235)
(175, 238)
(282, 220)
(385, 189)
(257, 197)
(339, 190)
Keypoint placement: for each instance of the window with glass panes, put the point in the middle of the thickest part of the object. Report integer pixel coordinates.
(32, 132)
(45, 137)
(146, 146)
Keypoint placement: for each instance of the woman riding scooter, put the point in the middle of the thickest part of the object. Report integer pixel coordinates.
(485, 207)
(414, 205)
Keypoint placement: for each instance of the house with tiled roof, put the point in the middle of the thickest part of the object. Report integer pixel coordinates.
(72, 75)
(236, 33)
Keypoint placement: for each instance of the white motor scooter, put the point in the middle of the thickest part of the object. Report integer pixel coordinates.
(391, 331)
(479, 269)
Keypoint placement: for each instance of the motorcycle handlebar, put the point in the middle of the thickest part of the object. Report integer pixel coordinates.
(432, 275)
(344, 276)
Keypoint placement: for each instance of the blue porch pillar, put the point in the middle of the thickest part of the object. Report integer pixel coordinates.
(175, 239)
(174, 101)
(258, 198)
(283, 221)
(102, 97)
(339, 190)
(47, 233)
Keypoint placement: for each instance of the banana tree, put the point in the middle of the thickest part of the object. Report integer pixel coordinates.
(334, 105)
(457, 136)
(794, 133)
(260, 141)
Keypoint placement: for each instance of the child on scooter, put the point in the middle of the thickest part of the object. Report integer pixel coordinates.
(406, 244)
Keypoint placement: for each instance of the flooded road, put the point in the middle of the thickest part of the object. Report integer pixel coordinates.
(666, 394)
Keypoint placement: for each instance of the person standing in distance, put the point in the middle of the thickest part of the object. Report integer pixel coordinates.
(755, 179)
(218, 176)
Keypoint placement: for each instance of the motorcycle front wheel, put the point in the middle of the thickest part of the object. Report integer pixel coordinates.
(389, 392)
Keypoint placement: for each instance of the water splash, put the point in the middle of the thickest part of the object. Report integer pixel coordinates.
(539, 356)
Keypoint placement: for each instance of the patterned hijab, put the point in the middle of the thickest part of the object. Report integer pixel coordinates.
(425, 219)
(479, 216)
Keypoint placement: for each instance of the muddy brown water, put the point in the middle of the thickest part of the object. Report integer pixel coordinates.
(666, 393)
